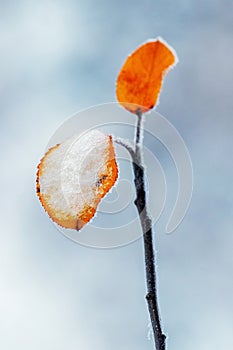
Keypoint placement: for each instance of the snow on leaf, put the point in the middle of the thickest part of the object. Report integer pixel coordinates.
(73, 176)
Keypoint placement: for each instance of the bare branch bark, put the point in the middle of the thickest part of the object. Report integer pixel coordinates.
(146, 224)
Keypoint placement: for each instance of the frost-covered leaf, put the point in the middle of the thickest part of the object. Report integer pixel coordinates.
(73, 176)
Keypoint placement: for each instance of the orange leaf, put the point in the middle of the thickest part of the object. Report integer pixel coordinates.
(140, 79)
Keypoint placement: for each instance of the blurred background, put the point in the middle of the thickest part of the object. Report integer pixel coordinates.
(59, 57)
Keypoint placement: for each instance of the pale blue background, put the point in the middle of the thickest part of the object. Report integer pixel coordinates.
(58, 57)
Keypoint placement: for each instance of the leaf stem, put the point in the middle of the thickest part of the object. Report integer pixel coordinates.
(146, 224)
(124, 143)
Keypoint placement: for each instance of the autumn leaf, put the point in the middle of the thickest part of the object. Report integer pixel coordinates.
(73, 176)
(140, 79)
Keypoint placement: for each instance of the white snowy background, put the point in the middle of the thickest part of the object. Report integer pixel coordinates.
(56, 58)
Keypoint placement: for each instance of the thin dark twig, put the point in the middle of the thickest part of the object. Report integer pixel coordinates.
(146, 224)
(138, 134)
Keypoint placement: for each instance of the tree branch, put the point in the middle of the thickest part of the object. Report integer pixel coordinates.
(146, 224)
